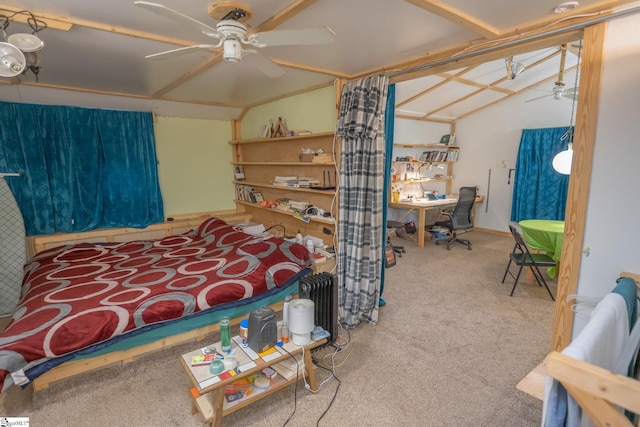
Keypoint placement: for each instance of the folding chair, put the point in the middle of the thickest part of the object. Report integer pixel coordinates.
(522, 257)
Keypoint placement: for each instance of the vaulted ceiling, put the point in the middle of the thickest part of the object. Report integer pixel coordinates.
(440, 52)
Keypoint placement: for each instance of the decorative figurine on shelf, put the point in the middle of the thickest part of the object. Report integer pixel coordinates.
(281, 128)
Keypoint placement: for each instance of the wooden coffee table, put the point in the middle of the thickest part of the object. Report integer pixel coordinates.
(208, 393)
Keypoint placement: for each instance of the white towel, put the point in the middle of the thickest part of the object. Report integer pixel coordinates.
(599, 343)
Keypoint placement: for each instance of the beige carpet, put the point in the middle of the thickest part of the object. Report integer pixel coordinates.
(449, 349)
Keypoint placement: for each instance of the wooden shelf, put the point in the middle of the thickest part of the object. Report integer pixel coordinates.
(426, 145)
(424, 163)
(281, 164)
(330, 221)
(285, 188)
(418, 180)
(286, 138)
(262, 159)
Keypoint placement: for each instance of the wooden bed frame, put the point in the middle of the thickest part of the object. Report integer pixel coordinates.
(599, 392)
(175, 225)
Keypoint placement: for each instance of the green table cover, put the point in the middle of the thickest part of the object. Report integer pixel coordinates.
(544, 235)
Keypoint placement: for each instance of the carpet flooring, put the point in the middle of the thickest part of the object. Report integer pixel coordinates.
(448, 350)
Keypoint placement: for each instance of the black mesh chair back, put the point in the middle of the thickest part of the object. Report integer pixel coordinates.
(522, 257)
(460, 218)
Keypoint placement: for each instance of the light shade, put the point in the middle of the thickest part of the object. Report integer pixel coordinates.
(12, 60)
(30, 45)
(513, 68)
(516, 68)
(562, 161)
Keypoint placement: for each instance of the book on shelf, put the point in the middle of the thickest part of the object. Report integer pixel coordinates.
(239, 173)
(448, 139)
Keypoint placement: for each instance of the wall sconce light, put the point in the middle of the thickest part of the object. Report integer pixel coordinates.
(513, 68)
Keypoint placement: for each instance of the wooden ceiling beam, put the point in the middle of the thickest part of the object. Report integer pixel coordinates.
(446, 80)
(456, 16)
(284, 15)
(52, 21)
(213, 60)
(493, 86)
(498, 53)
(468, 113)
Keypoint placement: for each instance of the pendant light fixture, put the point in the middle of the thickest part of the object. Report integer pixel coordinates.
(513, 68)
(562, 161)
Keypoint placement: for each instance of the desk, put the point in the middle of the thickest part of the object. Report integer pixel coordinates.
(422, 205)
(544, 235)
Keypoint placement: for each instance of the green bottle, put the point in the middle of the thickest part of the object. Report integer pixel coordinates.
(225, 334)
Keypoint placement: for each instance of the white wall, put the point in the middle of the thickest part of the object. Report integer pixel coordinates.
(612, 231)
(488, 140)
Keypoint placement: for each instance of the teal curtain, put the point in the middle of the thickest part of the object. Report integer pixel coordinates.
(389, 123)
(80, 168)
(539, 192)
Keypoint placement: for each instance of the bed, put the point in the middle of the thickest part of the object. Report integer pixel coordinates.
(87, 305)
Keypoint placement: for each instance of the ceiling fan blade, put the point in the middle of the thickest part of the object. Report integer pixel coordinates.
(179, 17)
(264, 64)
(180, 51)
(293, 37)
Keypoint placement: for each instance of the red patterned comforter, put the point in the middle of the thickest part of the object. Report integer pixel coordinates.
(79, 295)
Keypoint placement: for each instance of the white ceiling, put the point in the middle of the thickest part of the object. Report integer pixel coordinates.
(103, 53)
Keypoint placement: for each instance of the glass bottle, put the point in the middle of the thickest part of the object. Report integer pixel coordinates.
(225, 334)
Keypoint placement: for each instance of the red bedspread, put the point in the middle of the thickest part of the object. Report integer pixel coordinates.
(79, 295)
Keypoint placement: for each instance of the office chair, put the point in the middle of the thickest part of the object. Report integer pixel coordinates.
(396, 249)
(459, 218)
(522, 257)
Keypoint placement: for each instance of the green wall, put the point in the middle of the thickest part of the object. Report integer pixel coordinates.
(195, 157)
(195, 165)
(314, 111)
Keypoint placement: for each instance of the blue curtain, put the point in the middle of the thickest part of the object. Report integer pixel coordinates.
(80, 168)
(389, 123)
(539, 192)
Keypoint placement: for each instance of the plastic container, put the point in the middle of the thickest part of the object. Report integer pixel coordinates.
(244, 332)
(225, 334)
(299, 237)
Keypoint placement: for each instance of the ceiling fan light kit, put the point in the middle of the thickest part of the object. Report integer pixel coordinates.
(232, 35)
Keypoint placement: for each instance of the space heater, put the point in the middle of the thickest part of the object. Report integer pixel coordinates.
(322, 289)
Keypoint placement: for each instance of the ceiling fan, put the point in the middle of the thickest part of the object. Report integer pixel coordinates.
(559, 90)
(231, 34)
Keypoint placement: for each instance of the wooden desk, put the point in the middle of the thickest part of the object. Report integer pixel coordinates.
(422, 206)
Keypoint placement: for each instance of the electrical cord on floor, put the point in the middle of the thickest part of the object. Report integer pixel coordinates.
(335, 394)
(295, 390)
